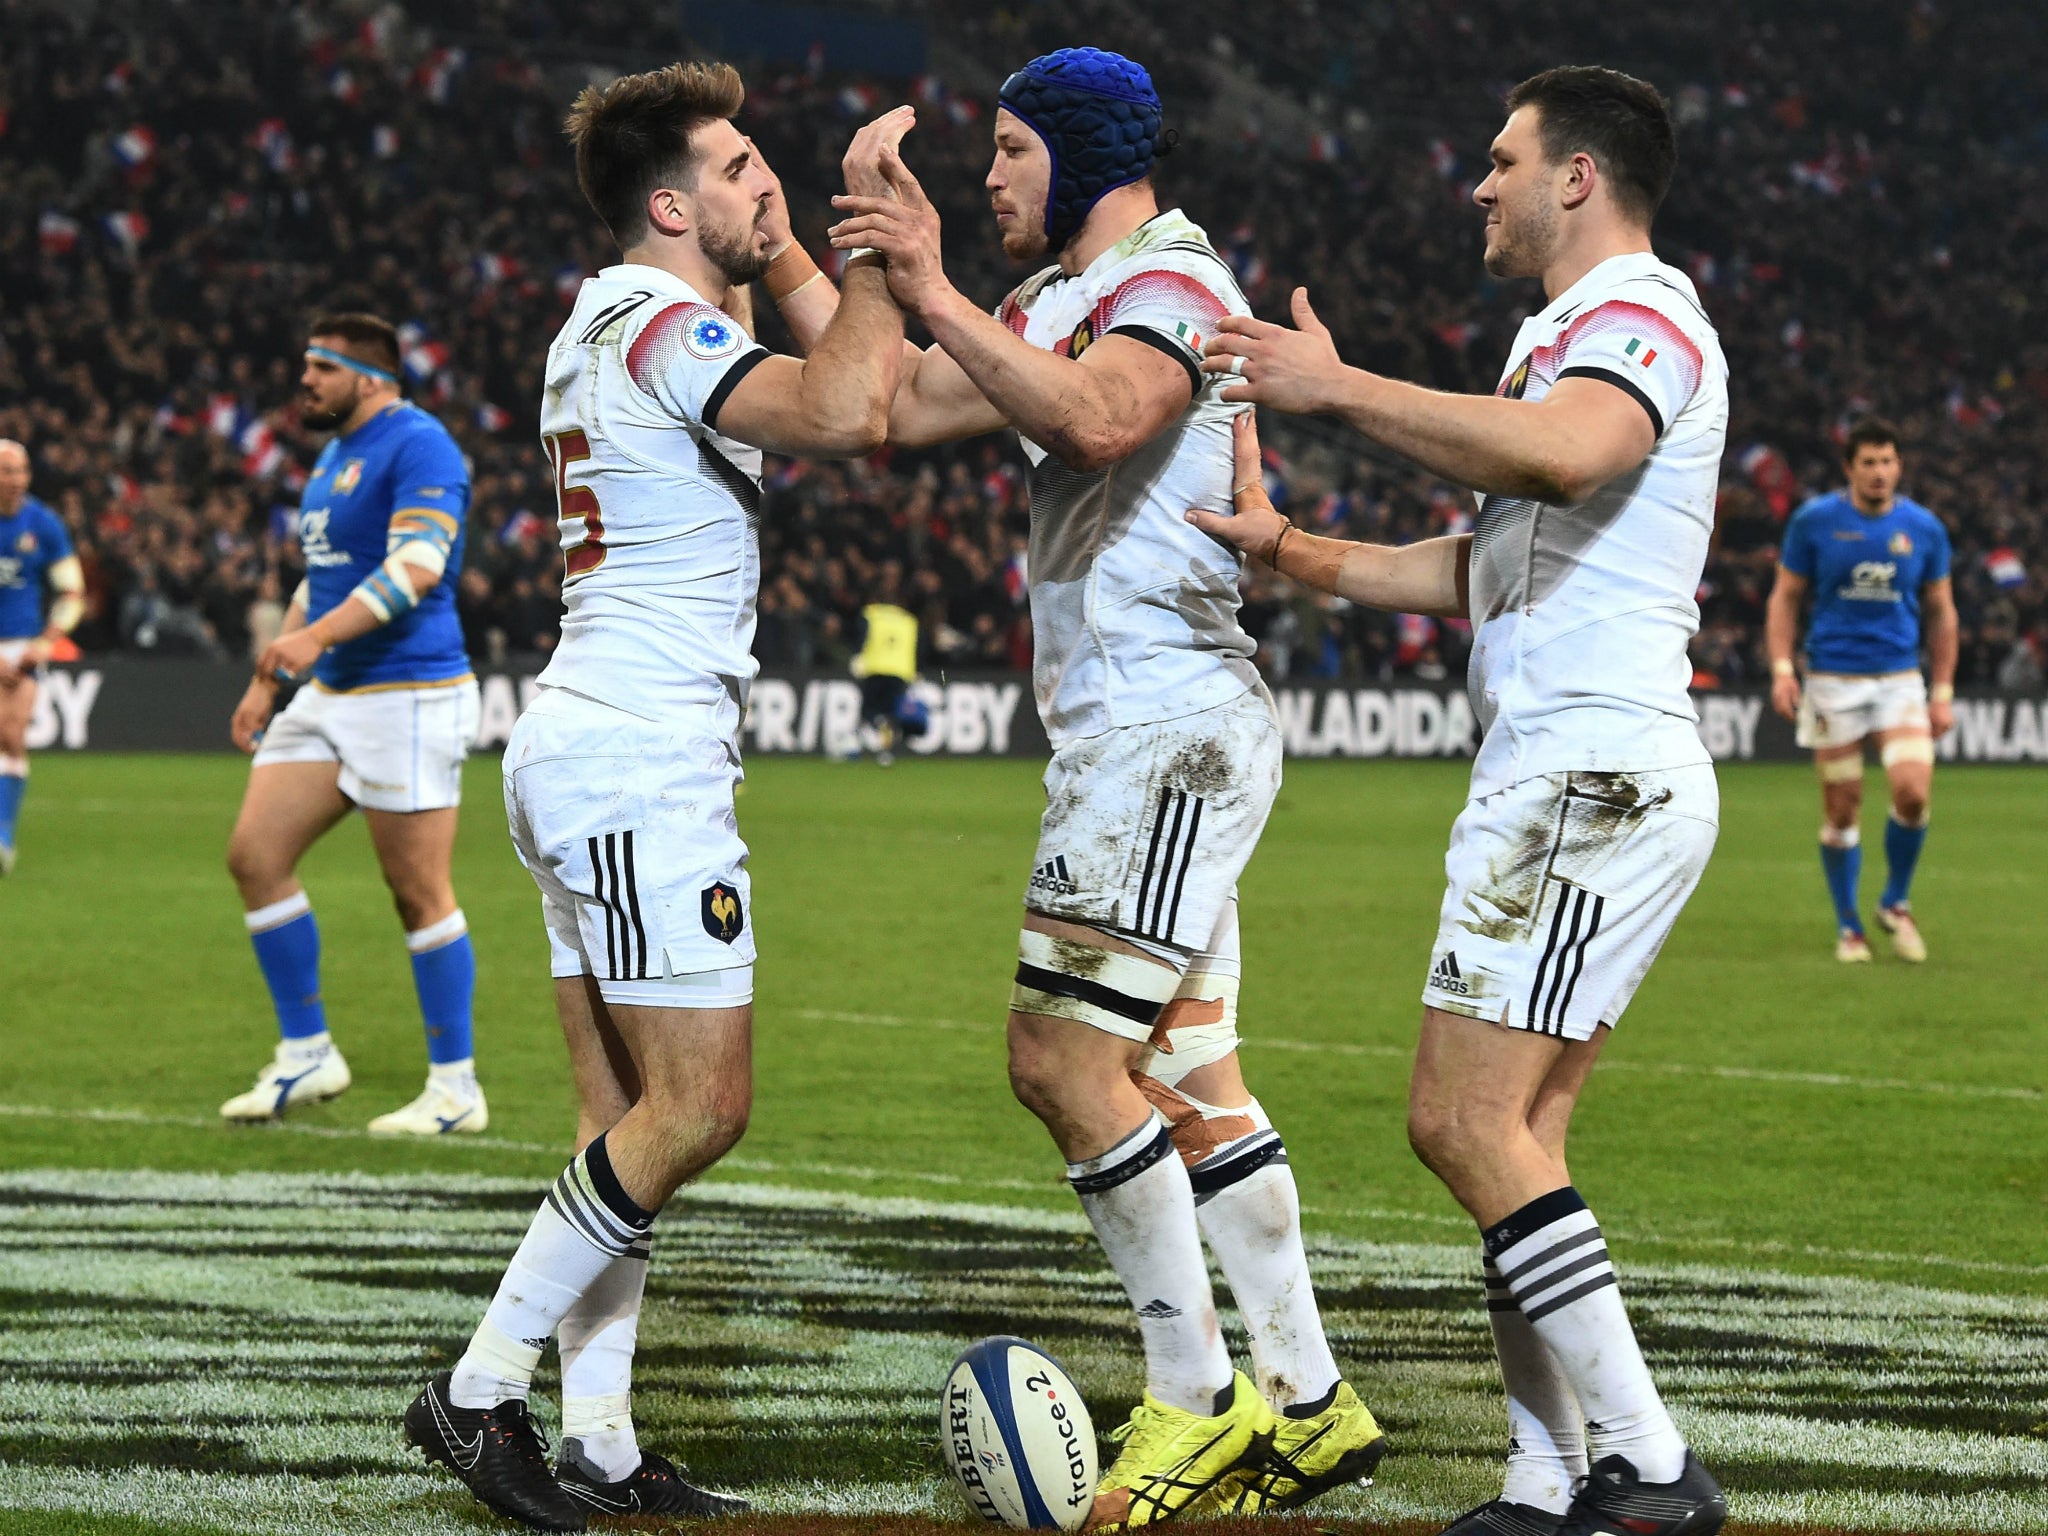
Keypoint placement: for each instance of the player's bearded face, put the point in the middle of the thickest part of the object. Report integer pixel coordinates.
(1519, 197)
(733, 242)
(331, 396)
(1017, 186)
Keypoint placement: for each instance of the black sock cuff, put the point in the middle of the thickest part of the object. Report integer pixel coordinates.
(597, 1162)
(1533, 1217)
(1145, 1152)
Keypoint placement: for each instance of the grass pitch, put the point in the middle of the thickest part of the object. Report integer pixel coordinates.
(1828, 1188)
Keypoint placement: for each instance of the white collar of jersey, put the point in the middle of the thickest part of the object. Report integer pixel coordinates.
(1167, 224)
(660, 279)
(1616, 269)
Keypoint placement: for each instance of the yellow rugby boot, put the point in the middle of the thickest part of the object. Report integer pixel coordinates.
(1308, 1457)
(1171, 1458)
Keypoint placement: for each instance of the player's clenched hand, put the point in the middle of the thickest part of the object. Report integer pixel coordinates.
(1941, 717)
(903, 227)
(1254, 527)
(1293, 371)
(862, 164)
(290, 654)
(1785, 695)
(252, 715)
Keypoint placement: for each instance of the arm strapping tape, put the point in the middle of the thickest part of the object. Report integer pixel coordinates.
(420, 539)
(67, 579)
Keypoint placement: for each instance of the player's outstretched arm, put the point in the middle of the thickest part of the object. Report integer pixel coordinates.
(835, 402)
(1088, 412)
(1431, 577)
(1781, 639)
(1559, 449)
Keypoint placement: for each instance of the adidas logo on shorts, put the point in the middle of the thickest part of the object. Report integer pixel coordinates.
(1052, 876)
(1447, 977)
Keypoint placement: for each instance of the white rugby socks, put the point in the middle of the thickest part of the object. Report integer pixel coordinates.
(597, 1337)
(1546, 1433)
(1142, 1207)
(1250, 1213)
(586, 1222)
(1553, 1261)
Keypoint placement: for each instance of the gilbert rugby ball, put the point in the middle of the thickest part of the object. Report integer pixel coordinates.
(1017, 1437)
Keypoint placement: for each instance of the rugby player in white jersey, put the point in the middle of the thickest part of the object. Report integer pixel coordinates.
(620, 776)
(1166, 760)
(1593, 805)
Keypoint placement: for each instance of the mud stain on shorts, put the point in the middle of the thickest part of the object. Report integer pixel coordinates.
(1203, 769)
(1595, 810)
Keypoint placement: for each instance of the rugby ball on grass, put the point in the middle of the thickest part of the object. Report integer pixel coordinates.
(1017, 1437)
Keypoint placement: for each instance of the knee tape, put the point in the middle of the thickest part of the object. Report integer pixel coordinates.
(1840, 837)
(1906, 749)
(1840, 770)
(1196, 1028)
(1221, 1146)
(1066, 979)
(12, 766)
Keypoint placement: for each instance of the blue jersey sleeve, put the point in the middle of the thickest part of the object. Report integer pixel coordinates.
(1796, 555)
(59, 538)
(1938, 553)
(429, 489)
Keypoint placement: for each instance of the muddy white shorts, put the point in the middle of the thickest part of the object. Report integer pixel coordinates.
(629, 829)
(1837, 710)
(1147, 827)
(1562, 889)
(399, 749)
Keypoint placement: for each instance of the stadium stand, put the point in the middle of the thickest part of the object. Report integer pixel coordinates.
(177, 197)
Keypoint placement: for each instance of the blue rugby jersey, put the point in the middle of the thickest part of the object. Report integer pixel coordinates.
(401, 461)
(1866, 573)
(31, 541)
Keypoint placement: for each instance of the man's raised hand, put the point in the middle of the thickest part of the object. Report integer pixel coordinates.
(1254, 527)
(903, 226)
(862, 163)
(1296, 371)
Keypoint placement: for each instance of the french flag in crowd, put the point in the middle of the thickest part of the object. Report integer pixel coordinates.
(424, 357)
(2004, 566)
(437, 75)
(127, 230)
(57, 233)
(492, 418)
(1442, 158)
(342, 85)
(136, 147)
(857, 100)
(962, 111)
(492, 269)
(1326, 148)
(384, 142)
(274, 143)
(568, 282)
(375, 33)
(224, 415)
(262, 454)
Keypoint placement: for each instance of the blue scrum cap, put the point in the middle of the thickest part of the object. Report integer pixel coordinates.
(1099, 118)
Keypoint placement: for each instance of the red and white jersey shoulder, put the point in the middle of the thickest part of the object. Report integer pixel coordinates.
(1582, 614)
(659, 512)
(1134, 611)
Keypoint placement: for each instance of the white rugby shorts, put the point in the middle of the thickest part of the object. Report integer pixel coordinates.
(629, 829)
(399, 749)
(1837, 710)
(1562, 889)
(1147, 827)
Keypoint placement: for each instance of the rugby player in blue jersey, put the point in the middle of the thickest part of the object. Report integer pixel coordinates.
(35, 552)
(1877, 564)
(382, 725)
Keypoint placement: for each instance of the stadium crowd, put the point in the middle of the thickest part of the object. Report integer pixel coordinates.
(1860, 200)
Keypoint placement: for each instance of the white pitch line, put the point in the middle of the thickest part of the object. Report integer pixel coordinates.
(1667, 1068)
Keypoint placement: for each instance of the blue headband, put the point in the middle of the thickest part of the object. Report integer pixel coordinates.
(356, 363)
(1099, 118)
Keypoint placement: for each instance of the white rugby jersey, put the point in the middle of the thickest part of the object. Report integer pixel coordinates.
(659, 514)
(1133, 609)
(1582, 614)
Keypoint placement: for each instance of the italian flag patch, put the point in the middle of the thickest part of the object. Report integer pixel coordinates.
(1640, 351)
(1188, 336)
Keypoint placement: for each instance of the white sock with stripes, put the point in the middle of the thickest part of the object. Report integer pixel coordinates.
(1139, 1201)
(1554, 1263)
(597, 1337)
(585, 1224)
(1546, 1433)
(1250, 1213)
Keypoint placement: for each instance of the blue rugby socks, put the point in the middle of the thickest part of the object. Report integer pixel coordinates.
(287, 943)
(444, 977)
(1902, 844)
(1841, 858)
(13, 785)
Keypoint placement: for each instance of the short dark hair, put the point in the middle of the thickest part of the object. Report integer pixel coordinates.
(373, 340)
(1870, 432)
(1622, 122)
(633, 134)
